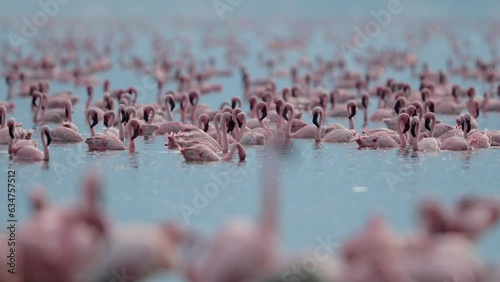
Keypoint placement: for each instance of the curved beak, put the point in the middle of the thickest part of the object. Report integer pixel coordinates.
(285, 113)
(315, 119)
(230, 126)
(95, 120)
(136, 133)
(264, 113)
(49, 138)
(11, 132)
(172, 104)
(397, 106)
(125, 116)
(146, 116)
(407, 127)
(233, 104)
(240, 124)
(413, 130)
(431, 108)
(428, 124)
(106, 122)
(191, 100)
(477, 112)
(353, 112)
(468, 126)
(205, 128)
(364, 102)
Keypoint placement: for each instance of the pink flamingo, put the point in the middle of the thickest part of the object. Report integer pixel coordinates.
(148, 128)
(170, 126)
(336, 135)
(425, 144)
(13, 134)
(109, 121)
(4, 131)
(31, 153)
(248, 136)
(480, 140)
(457, 143)
(196, 136)
(202, 153)
(435, 129)
(382, 113)
(109, 142)
(65, 134)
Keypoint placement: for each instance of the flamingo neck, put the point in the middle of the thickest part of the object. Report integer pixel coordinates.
(4, 122)
(402, 138)
(225, 142)
(466, 128)
(262, 124)
(183, 115)
(35, 115)
(288, 130)
(46, 152)
(317, 136)
(351, 123)
(217, 131)
(193, 112)
(153, 115)
(229, 155)
(168, 114)
(416, 139)
(242, 130)
(433, 124)
(11, 145)
(365, 117)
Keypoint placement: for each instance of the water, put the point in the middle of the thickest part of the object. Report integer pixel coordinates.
(328, 190)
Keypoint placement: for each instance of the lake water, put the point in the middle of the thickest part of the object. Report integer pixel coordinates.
(327, 190)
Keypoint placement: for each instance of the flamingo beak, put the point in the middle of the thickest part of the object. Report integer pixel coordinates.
(251, 107)
(431, 108)
(125, 116)
(136, 132)
(49, 138)
(11, 131)
(428, 124)
(231, 126)
(407, 127)
(364, 102)
(414, 130)
(146, 116)
(264, 113)
(66, 112)
(315, 119)
(182, 105)
(172, 104)
(233, 104)
(353, 112)
(397, 107)
(191, 100)
(285, 113)
(240, 124)
(205, 128)
(106, 122)
(477, 112)
(278, 109)
(95, 120)
(322, 103)
(33, 102)
(468, 126)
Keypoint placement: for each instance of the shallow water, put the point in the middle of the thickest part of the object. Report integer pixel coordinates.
(327, 190)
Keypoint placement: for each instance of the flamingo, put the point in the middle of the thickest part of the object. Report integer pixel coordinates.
(31, 153)
(429, 144)
(457, 143)
(4, 130)
(202, 153)
(336, 135)
(248, 137)
(109, 142)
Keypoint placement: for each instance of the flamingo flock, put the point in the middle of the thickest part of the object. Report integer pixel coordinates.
(304, 100)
